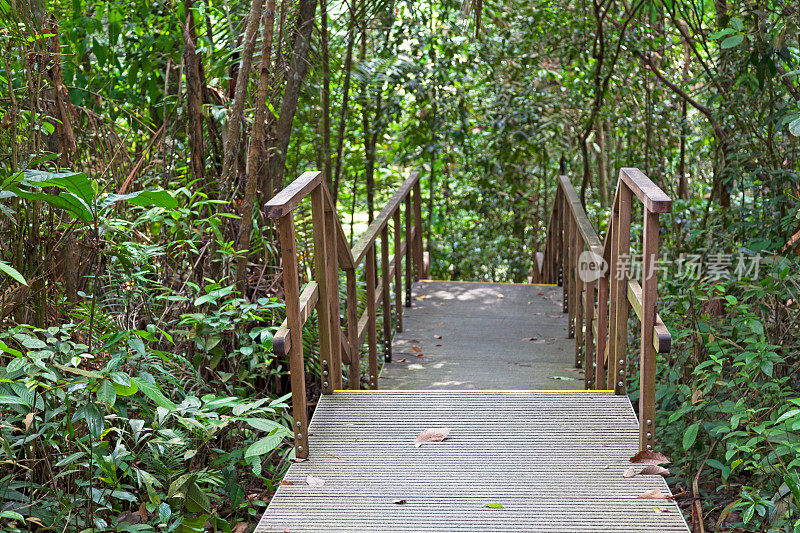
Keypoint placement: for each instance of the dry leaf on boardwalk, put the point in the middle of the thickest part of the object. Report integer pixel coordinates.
(298, 460)
(650, 457)
(400, 502)
(314, 481)
(529, 339)
(629, 472)
(284, 482)
(401, 360)
(654, 494)
(437, 336)
(432, 435)
(501, 296)
(654, 470)
(416, 349)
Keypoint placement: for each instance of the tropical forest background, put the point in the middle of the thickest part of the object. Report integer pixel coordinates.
(140, 281)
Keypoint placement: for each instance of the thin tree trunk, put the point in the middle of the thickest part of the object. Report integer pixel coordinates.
(326, 95)
(369, 154)
(192, 61)
(294, 81)
(232, 141)
(348, 62)
(255, 148)
(602, 184)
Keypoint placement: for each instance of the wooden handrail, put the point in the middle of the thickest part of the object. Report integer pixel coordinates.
(600, 300)
(332, 253)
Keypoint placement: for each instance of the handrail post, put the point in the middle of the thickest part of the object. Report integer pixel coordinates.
(291, 290)
(398, 273)
(352, 329)
(418, 266)
(386, 303)
(647, 353)
(332, 271)
(602, 333)
(564, 234)
(588, 350)
(570, 274)
(620, 308)
(322, 276)
(409, 246)
(372, 334)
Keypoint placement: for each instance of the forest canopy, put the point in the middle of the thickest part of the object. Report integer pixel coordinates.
(140, 277)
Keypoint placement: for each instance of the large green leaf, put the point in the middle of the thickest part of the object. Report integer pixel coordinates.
(196, 499)
(106, 393)
(66, 201)
(75, 182)
(142, 198)
(690, 435)
(154, 393)
(12, 272)
(265, 445)
(269, 426)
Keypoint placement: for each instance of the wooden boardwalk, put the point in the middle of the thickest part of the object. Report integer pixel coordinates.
(553, 459)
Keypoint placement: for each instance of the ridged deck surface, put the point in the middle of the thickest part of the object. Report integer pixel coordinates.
(553, 459)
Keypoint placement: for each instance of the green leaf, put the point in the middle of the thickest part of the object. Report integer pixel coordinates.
(66, 201)
(142, 198)
(722, 33)
(12, 515)
(267, 425)
(690, 435)
(787, 414)
(75, 182)
(7, 399)
(176, 486)
(122, 390)
(794, 127)
(154, 393)
(265, 445)
(196, 499)
(79, 371)
(195, 524)
(733, 40)
(12, 272)
(494, 506)
(106, 393)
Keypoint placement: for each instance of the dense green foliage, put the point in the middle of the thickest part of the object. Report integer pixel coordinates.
(139, 280)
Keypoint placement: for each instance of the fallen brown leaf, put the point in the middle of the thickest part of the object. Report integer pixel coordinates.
(439, 345)
(28, 421)
(299, 460)
(286, 482)
(401, 360)
(241, 527)
(500, 296)
(314, 481)
(416, 349)
(529, 339)
(400, 502)
(654, 494)
(629, 472)
(541, 294)
(432, 435)
(654, 470)
(650, 457)
(441, 323)
(437, 336)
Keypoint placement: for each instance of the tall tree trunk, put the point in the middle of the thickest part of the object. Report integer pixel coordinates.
(326, 95)
(348, 62)
(232, 141)
(255, 149)
(194, 90)
(369, 153)
(294, 81)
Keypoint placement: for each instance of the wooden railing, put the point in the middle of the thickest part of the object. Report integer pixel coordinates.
(331, 254)
(599, 290)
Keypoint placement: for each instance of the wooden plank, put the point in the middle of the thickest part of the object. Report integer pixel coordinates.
(363, 322)
(282, 341)
(601, 335)
(379, 223)
(286, 200)
(662, 338)
(650, 194)
(295, 353)
(582, 222)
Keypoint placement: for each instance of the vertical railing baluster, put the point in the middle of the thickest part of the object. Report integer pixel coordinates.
(409, 248)
(331, 259)
(647, 353)
(352, 329)
(398, 272)
(372, 333)
(291, 289)
(588, 345)
(621, 247)
(564, 233)
(386, 304)
(419, 268)
(602, 333)
(322, 276)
